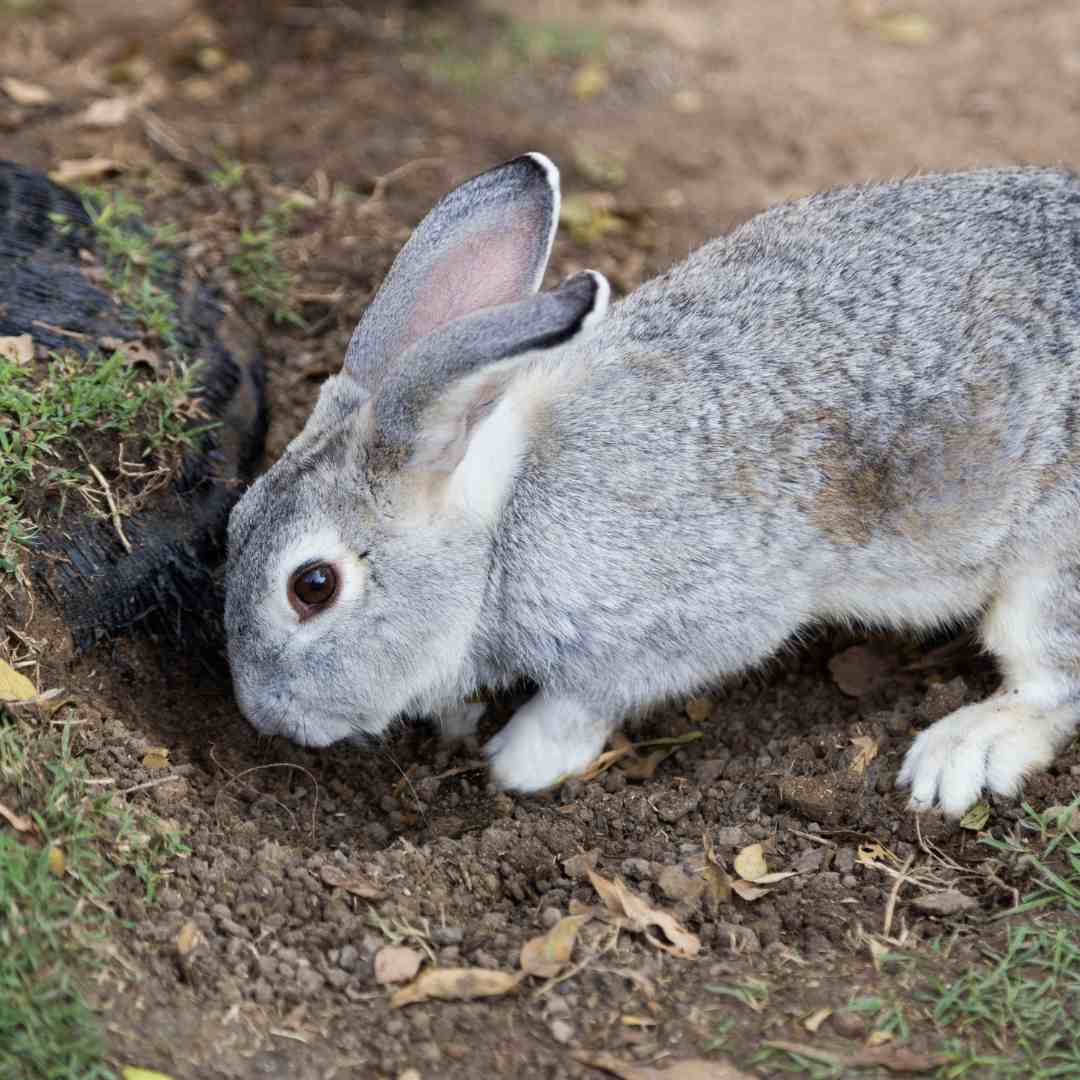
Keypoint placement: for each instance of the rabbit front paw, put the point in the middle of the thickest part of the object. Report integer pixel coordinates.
(547, 740)
(993, 744)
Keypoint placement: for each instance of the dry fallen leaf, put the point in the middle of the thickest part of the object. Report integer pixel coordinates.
(620, 901)
(905, 28)
(189, 939)
(859, 669)
(357, 886)
(750, 863)
(106, 113)
(866, 749)
(26, 93)
(18, 349)
(872, 853)
(893, 1058)
(78, 170)
(456, 984)
(747, 891)
(816, 1019)
(946, 902)
(549, 953)
(15, 686)
(157, 757)
(976, 818)
(688, 1069)
(396, 964)
(16, 821)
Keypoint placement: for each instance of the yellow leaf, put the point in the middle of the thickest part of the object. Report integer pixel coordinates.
(157, 757)
(15, 686)
(976, 818)
(546, 955)
(590, 81)
(750, 863)
(56, 862)
(906, 28)
(816, 1019)
(130, 1072)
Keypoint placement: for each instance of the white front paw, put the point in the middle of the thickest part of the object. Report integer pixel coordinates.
(547, 740)
(994, 745)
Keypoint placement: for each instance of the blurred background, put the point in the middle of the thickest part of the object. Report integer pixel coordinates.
(312, 134)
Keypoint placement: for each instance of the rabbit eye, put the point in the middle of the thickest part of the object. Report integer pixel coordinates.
(312, 588)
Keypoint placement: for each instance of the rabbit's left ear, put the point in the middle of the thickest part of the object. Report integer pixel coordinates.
(486, 243)
(445, 410)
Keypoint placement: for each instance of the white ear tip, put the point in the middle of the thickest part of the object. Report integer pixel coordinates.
(551, 170)
(600, 303)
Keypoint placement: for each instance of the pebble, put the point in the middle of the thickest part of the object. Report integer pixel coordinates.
(732, 837)
(550, 916)
(848, 1024)
(637, 869)
(562, 1031)
(170, 899)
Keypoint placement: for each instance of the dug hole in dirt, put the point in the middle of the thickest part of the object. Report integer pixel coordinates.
(319, 882)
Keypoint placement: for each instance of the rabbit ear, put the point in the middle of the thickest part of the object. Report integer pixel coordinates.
(486, 243)
(430, 407)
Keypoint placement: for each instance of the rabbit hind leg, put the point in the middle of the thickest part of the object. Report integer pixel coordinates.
(1033, 628)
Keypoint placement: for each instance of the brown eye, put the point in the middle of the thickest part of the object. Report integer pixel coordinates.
(312, 588)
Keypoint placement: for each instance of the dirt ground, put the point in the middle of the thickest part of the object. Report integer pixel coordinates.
(672, 120)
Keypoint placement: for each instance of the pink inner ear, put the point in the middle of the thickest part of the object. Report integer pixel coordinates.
(487, 268)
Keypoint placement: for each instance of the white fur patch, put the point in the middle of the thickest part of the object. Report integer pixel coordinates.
(482, 480)
(547, 740)
(600, 305)
(551, 171)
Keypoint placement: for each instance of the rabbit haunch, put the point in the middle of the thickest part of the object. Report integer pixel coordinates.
(861, 406)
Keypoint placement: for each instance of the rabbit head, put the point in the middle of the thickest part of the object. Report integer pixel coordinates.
(357, 565)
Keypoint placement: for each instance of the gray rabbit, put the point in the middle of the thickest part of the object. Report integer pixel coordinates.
(858, 407)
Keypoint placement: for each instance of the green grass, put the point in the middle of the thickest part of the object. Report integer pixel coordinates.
(1012, 1015)
(1016, 1015)
(47, 920)
(258, 269)
(43, 419)
(45, 414)
(54, 902)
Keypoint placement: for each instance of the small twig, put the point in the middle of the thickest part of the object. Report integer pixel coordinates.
(894, 892)
(381, 183)
(156, 782)
(114, 509)
(812, 838)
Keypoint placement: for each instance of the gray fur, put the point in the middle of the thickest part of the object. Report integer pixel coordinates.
(858, 406)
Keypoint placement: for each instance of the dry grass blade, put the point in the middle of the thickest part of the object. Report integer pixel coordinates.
(897, 1059)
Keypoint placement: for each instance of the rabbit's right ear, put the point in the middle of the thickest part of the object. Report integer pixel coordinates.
(486, 243)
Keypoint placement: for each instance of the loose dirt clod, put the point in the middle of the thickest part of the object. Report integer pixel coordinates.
(396, 964)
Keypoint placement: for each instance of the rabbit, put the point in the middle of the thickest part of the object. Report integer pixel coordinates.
(860, 407)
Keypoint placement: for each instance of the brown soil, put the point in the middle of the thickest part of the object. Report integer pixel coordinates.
(700, 117)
